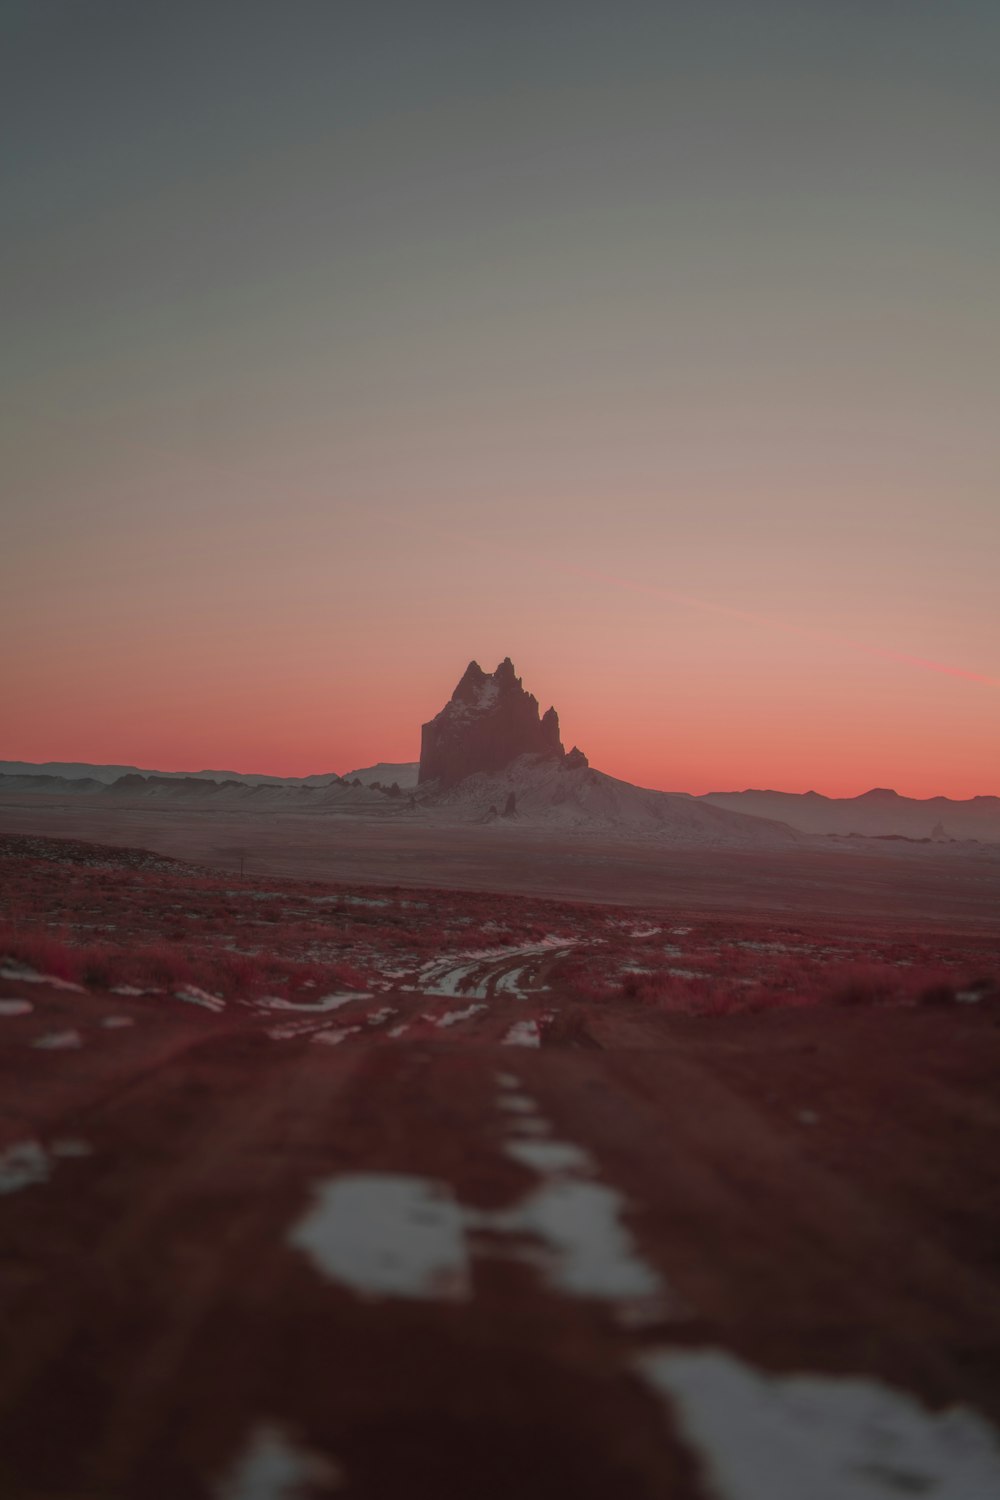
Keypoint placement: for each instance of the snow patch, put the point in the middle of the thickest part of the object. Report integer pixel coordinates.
(322, 1004)
(59, 1041)
(194, 996)
(273, 1467)
(517, 1104)
(387, 1235)
(22, 974)
(513, 982)
(586, 1250)
(332, 1037)
(772, 1437)
(523, 1034)
(453, 1017)
(22, 1165)
(15, 1007)
(550, 1157)
(27, 1163)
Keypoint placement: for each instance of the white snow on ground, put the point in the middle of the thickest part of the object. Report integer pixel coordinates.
(549, 1157)
(114, 1023)
(517, 1104)
(333, 1037)
(194, 996)
(129, 989)
(784, 1437)
(450, 976)
(27, 1162)
(291, 1029)
(321, 1003)
(59, 1041)
(390, 1235)
(513, 983)
(23, 1164)
(15, 1007)
(523, 1034)
(398, 1030)
(588, 1251)
(22, 974)
(550, 794)
(452, 1017)
(448, 982)
(387, 1235)
(379, 1017)
(273, 1467)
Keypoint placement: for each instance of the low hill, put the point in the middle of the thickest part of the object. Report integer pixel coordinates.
(403, 772)
(568, 794)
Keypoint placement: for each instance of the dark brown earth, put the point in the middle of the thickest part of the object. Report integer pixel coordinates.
(818, 1190)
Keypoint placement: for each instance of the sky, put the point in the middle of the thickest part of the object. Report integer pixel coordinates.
(654, 345)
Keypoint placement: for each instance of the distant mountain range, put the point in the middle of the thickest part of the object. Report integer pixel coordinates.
(880, 813)
(404, 773)
(490, 756)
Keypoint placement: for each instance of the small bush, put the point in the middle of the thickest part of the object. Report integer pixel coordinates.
(861, 988)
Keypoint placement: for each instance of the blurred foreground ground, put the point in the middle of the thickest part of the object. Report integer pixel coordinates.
(458, 1195)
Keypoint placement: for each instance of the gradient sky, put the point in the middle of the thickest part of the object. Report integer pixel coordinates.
(654, 345)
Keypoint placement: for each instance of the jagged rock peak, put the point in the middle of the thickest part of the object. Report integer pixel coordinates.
(489, 721)
(472, 680)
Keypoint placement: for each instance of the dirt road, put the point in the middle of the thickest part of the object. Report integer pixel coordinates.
(477, 1239)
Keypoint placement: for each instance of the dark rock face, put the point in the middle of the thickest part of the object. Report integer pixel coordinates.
(488, 722)
(575, 760)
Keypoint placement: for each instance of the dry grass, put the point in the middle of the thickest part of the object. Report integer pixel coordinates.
(103, 917)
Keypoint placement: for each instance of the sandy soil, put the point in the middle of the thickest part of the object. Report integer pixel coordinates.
(884, 881)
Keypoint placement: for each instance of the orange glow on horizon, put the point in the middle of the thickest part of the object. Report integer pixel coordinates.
(687, 739)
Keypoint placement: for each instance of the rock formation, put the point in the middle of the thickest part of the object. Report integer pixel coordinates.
(488, 722)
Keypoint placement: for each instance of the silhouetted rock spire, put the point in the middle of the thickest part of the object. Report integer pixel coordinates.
(489, 721)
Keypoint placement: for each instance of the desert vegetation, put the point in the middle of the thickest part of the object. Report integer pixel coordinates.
(106, 918)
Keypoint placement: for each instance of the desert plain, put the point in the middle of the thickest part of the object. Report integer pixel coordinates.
(451, 1161)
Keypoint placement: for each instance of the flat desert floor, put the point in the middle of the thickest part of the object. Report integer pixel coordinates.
(883, 880)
